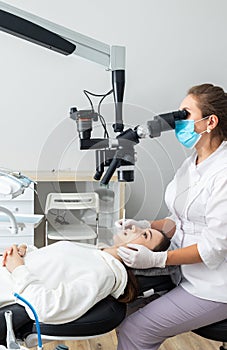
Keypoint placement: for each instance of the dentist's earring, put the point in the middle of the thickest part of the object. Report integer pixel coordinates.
(208, 130)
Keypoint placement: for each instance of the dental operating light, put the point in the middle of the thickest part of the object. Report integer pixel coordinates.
(12, 184)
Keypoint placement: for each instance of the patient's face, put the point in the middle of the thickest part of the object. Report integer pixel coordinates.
(150, 238)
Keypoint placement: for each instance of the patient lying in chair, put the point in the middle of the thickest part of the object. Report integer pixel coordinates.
(65, 279)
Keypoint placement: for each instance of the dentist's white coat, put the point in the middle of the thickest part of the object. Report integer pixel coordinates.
(63, 280)
(197, 200)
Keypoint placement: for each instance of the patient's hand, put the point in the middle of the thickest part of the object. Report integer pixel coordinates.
(22, 248)
(12, 259)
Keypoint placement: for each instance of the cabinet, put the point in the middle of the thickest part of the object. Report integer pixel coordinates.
(23, 204)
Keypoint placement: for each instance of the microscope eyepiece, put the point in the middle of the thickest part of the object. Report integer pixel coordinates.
(165, 122)
(178, 115)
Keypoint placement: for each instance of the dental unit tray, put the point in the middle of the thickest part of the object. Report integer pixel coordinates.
(22, 220)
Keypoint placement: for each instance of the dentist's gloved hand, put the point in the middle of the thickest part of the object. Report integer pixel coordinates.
(140, 257)
(130, 222)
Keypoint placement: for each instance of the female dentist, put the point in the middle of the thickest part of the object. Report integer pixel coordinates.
(197, 200)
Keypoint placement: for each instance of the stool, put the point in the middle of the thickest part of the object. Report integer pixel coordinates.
(215, 331)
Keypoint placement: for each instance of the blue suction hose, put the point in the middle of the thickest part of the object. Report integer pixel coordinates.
(40, 345)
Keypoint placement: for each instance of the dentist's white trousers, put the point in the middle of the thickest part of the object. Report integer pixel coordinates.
(173, 313)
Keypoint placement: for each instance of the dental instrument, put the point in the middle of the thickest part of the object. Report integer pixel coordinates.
(123, 220)
(40, 344)
(11, 341)
(10, 336)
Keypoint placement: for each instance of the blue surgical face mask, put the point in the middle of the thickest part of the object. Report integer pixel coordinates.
(185, 132)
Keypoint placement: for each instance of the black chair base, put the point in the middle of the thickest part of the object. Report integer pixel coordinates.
(102, 318)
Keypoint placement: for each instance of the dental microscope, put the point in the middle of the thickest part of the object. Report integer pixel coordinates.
(117, 154)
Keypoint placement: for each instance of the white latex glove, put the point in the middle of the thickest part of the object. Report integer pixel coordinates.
(130, 222)
(141, 257)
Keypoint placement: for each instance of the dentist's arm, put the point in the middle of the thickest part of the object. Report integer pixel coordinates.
(187, 255)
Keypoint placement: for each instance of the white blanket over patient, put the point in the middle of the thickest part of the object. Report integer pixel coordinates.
(63, 280)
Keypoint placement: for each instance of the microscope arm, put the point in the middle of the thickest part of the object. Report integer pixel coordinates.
(18, 22)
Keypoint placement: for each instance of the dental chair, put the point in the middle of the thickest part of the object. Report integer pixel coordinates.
(102, 318)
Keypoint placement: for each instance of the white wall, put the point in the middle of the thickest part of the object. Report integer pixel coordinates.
(171, 45)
